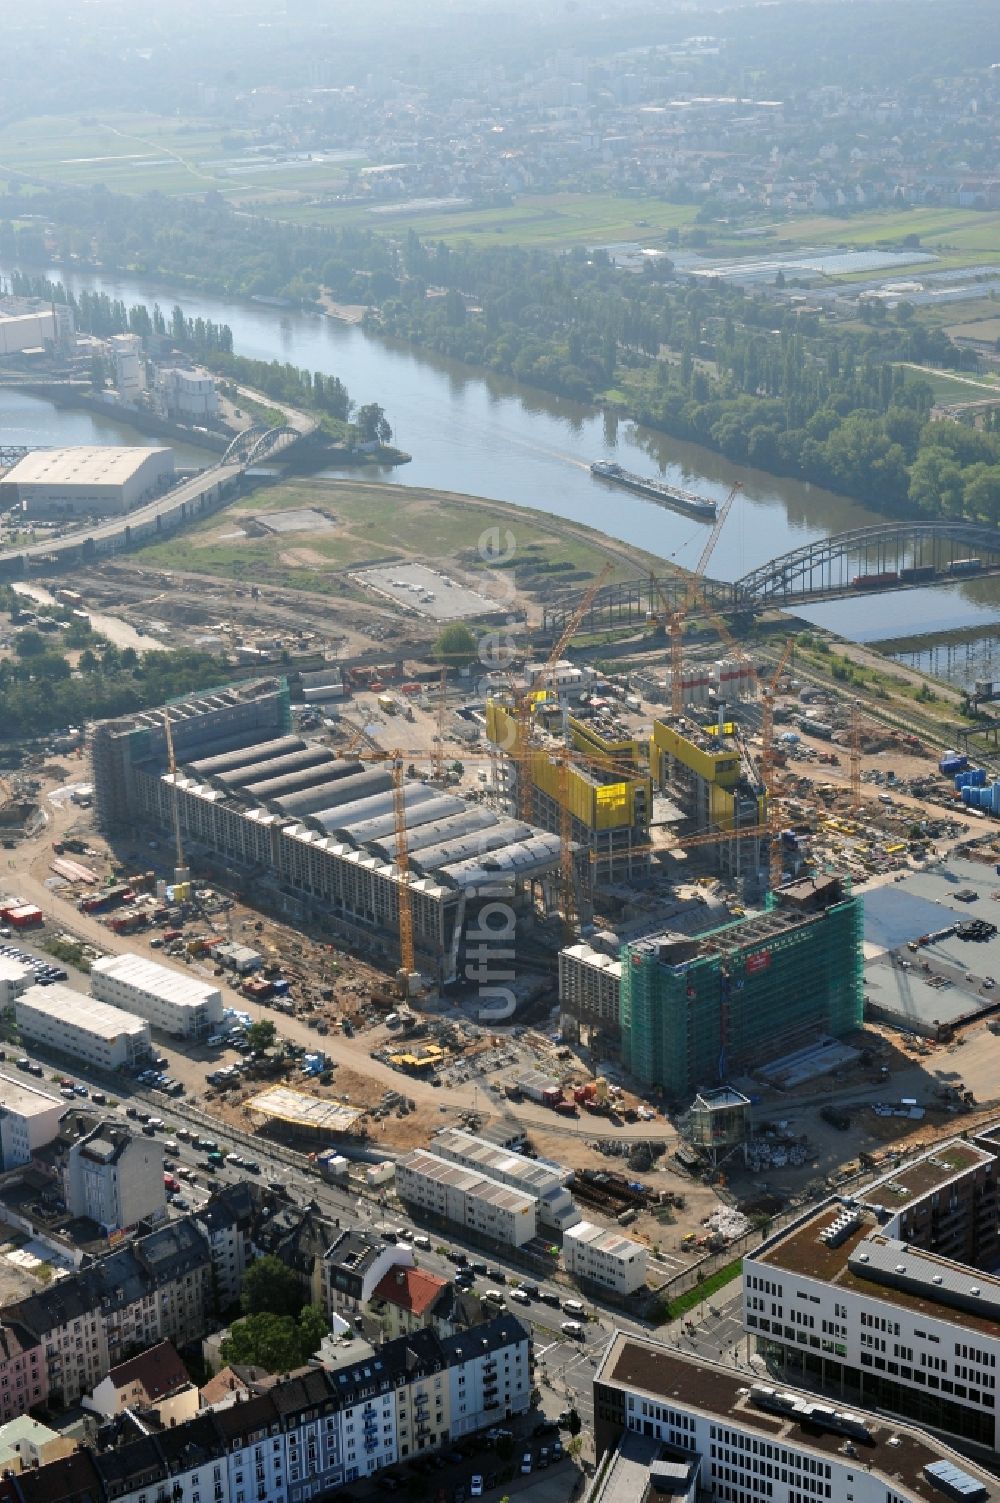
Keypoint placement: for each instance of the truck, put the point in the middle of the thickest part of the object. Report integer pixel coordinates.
(388, 705)
(567, 1108)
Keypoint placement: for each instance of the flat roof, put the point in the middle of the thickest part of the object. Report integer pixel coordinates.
(469, 1181)
(895, 1450)
(535, 1176)
(159, 980)
(24, 1099)
(604, 1239)
(903, 1186)
(283, 1104)
(99, 464)
(75, 1010)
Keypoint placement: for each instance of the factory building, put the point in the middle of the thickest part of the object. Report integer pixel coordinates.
(694, 1010)
(883, 1299)
(29, 1118)
(316, 830)
(130, 373)
(100, 481)
(675, 1426)
(546, 1182)
(185, 394)
(80, 1027)
(464, 1196)
(29, 324)
(169, 1001)
(711, 774)
(609, 812)
(597, 1255)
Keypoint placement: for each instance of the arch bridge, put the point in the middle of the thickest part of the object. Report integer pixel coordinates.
(259, 442)
(868, 560)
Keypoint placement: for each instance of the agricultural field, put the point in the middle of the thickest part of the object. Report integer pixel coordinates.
(959, 237)
(368, 522)
(139, 153)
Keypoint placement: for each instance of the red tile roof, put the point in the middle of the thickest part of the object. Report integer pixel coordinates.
(410, 1289)
(159, 1370)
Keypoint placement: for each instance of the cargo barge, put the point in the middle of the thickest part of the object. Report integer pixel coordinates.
(656, 490)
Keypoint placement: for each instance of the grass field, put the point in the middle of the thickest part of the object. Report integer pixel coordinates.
(957, 388)
(136, 153)
(371, 521)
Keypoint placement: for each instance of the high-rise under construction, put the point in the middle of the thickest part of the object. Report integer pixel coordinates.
(693, 1012)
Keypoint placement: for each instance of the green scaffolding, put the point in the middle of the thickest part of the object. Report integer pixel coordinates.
(696, 1023)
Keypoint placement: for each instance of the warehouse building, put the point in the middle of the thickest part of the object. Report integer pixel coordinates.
(597, 1255)
(170, 1001)
(695, 1010)
(546, 1182)
(318, 832)
(29, 1118)
(80, 1027)
(86, 482)
(888, 1299)
(675, 1426)
(469, 1199)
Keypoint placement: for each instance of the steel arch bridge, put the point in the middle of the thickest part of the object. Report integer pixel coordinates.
(258, 442)
(869, 559)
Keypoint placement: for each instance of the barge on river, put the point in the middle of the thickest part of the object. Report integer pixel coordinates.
(656, 490)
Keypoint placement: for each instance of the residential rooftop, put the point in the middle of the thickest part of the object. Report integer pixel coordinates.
(895, 1451)
(903, 1186)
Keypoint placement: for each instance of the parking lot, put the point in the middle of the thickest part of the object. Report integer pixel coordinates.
(428, 592)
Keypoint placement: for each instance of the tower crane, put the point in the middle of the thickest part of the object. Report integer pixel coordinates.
(676, 615)
(182, 874)
(767, 761)
(407, 953)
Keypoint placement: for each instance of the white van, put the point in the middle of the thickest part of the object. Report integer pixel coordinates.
(573, 1307)
(572, 1328)
(420, 1239)
(493, 1297)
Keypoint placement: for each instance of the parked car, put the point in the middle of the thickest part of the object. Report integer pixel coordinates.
(526, 1464)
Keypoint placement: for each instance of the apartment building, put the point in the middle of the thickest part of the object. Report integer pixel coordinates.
(303, 1435)
(353, 1267)
(23, 1371)
(155, 1380)
(405, 1299)
(115, 1178)
(492, 1211)
(590, 986)
(226, 1222)
(169, 1000)
(547, 1183)
(29, 1119)
(82, 1028)
(859, 1296)
(679, 1426)
(598, 1255)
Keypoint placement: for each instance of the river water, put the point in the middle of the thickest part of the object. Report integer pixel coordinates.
(490, 436)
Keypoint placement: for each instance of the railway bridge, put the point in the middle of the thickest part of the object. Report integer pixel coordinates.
(864, 561)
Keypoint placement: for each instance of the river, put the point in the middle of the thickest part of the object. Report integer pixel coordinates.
(490, 436)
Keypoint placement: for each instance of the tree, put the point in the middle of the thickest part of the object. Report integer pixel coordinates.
(372, 424)
(261, 1035)
(575, 1422)
(313, 1327)
(269, 1341)
(29, 644)
(271, 1288)
(456, 646)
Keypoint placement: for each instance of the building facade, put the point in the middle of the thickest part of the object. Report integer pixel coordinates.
(29, 1119)
(453, 1193)
(711, 1433)
(81, 482)
(547, 1183)
(115, 1178)
(878, 1300)
(169, 1000)
(598, 1255)
(80, 1027)
(353, 1267)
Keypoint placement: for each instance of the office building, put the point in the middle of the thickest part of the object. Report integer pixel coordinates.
(597, 1255)
(547, 1183)
(710, 773)
(695, 1010)
(29, 1118)
(115, 1179)
(169, 1000)
(83, 482)
(887, 1300)
(79, 1027)
(449, 1192)
(670, 1425)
